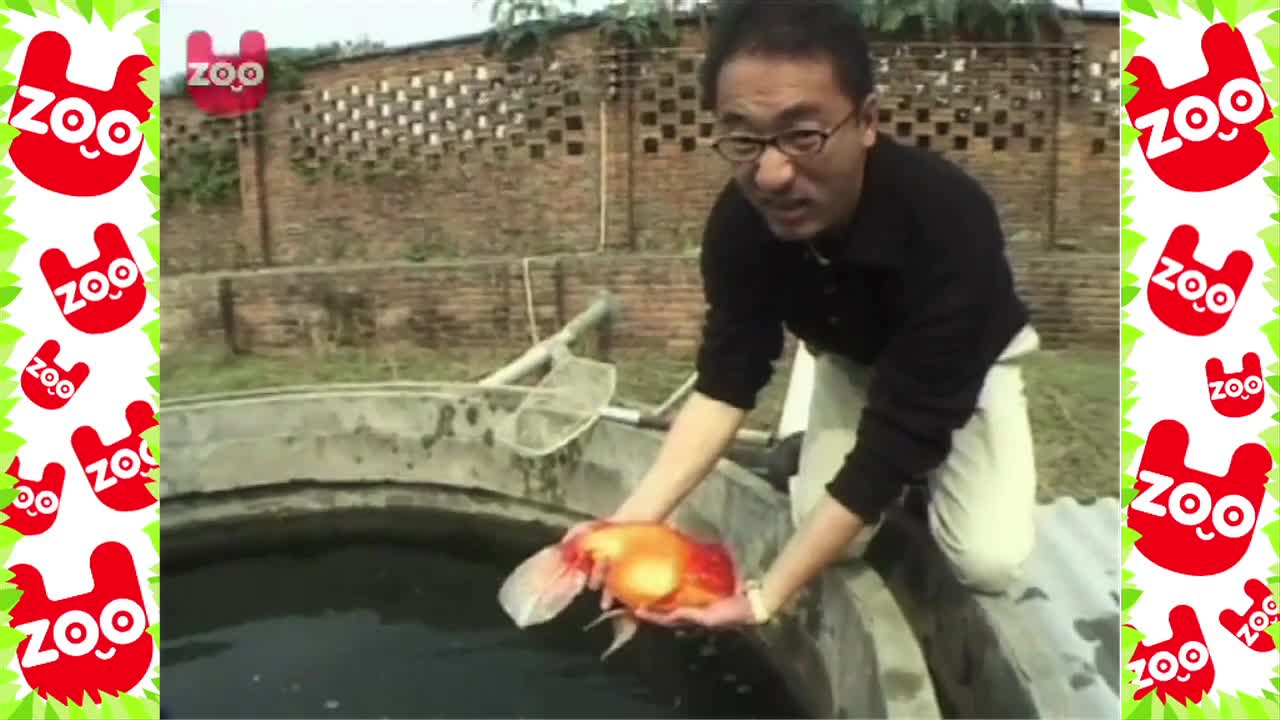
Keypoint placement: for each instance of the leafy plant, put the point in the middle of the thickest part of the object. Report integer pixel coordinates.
(641, 23)
(207, 172)
(530, 25)
(971, 19)
(524, 27)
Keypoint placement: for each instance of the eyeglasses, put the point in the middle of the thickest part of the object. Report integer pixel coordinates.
(797, 143)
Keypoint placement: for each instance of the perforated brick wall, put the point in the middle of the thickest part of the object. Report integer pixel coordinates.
(440, 153)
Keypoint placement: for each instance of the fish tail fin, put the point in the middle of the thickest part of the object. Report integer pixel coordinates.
(624, 629)
(540, 588)
(604, 616)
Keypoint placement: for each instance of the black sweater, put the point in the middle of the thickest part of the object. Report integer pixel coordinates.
(918, 286)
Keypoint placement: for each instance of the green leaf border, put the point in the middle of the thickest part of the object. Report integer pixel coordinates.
(1267, 706)
(11, 442)
(109, 12)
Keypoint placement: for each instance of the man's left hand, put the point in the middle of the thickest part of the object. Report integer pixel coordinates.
(731, 612)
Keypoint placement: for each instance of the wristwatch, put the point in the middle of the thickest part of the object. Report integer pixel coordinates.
(759, 611)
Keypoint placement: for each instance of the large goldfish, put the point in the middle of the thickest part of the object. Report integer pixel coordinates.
(650, 566)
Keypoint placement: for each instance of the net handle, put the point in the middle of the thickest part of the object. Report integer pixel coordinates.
(559, 355)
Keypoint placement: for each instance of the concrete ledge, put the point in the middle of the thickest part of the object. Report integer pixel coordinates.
(988, 655)
(847, 649)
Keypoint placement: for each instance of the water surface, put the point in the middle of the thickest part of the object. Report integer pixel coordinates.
(382, 628)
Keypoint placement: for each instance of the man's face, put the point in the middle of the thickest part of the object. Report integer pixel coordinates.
(761, 96)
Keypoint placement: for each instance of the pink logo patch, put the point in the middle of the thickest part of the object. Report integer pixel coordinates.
(227, 85)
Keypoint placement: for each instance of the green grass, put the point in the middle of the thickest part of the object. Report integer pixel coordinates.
(1074, 402)
(1072, 396)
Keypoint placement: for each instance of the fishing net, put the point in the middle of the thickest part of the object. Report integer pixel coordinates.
(563, 405)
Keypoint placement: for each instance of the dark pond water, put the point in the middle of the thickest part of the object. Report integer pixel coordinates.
(377, 625)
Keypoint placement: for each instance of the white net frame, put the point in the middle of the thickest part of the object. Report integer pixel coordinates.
(562, 406)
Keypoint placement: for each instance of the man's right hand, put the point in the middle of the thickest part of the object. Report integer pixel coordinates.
(599, 569)
(702, 430)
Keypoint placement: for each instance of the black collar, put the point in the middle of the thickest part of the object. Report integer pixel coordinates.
(876, 235)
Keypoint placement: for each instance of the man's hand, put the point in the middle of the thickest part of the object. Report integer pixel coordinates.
(731, 612)
(820, 541)
(599, 569)
(703, 429)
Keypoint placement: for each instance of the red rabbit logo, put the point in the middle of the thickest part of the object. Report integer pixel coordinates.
(1180, 667)
(1202, 136)
(48, 385)
(118, 472)
(227, 86)
(1251, 628)
(93, 643)
(1192, 522)
(104, 294)
(1190, 297)
(73, 139)
(35, 509)
(1239, 394)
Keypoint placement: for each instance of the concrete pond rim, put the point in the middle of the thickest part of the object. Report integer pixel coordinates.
(853, 645)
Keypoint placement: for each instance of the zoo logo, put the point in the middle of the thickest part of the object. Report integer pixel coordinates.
(227, 86)
(1213, 141)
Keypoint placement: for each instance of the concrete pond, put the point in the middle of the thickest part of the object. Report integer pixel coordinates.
(893, 637)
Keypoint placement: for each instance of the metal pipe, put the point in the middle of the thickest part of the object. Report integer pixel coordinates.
(604, 174)
(539, 356)
(681, 393)
(649, 421)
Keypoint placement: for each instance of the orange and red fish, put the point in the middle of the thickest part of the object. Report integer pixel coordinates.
(650, 566)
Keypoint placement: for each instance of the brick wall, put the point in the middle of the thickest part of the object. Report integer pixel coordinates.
(483, 303)
(380, 165)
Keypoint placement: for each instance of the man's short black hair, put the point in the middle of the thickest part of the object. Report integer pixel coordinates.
(791, 28)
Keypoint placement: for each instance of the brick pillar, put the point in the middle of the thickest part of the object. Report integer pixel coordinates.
(254, 229)
(1071, 151)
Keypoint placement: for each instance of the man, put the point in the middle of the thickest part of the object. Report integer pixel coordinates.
(889, 263)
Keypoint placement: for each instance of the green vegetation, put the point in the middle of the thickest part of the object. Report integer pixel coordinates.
(523, 27)
(989, 20)
(208, 170)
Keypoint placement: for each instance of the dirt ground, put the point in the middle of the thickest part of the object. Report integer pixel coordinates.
(1073, 396)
